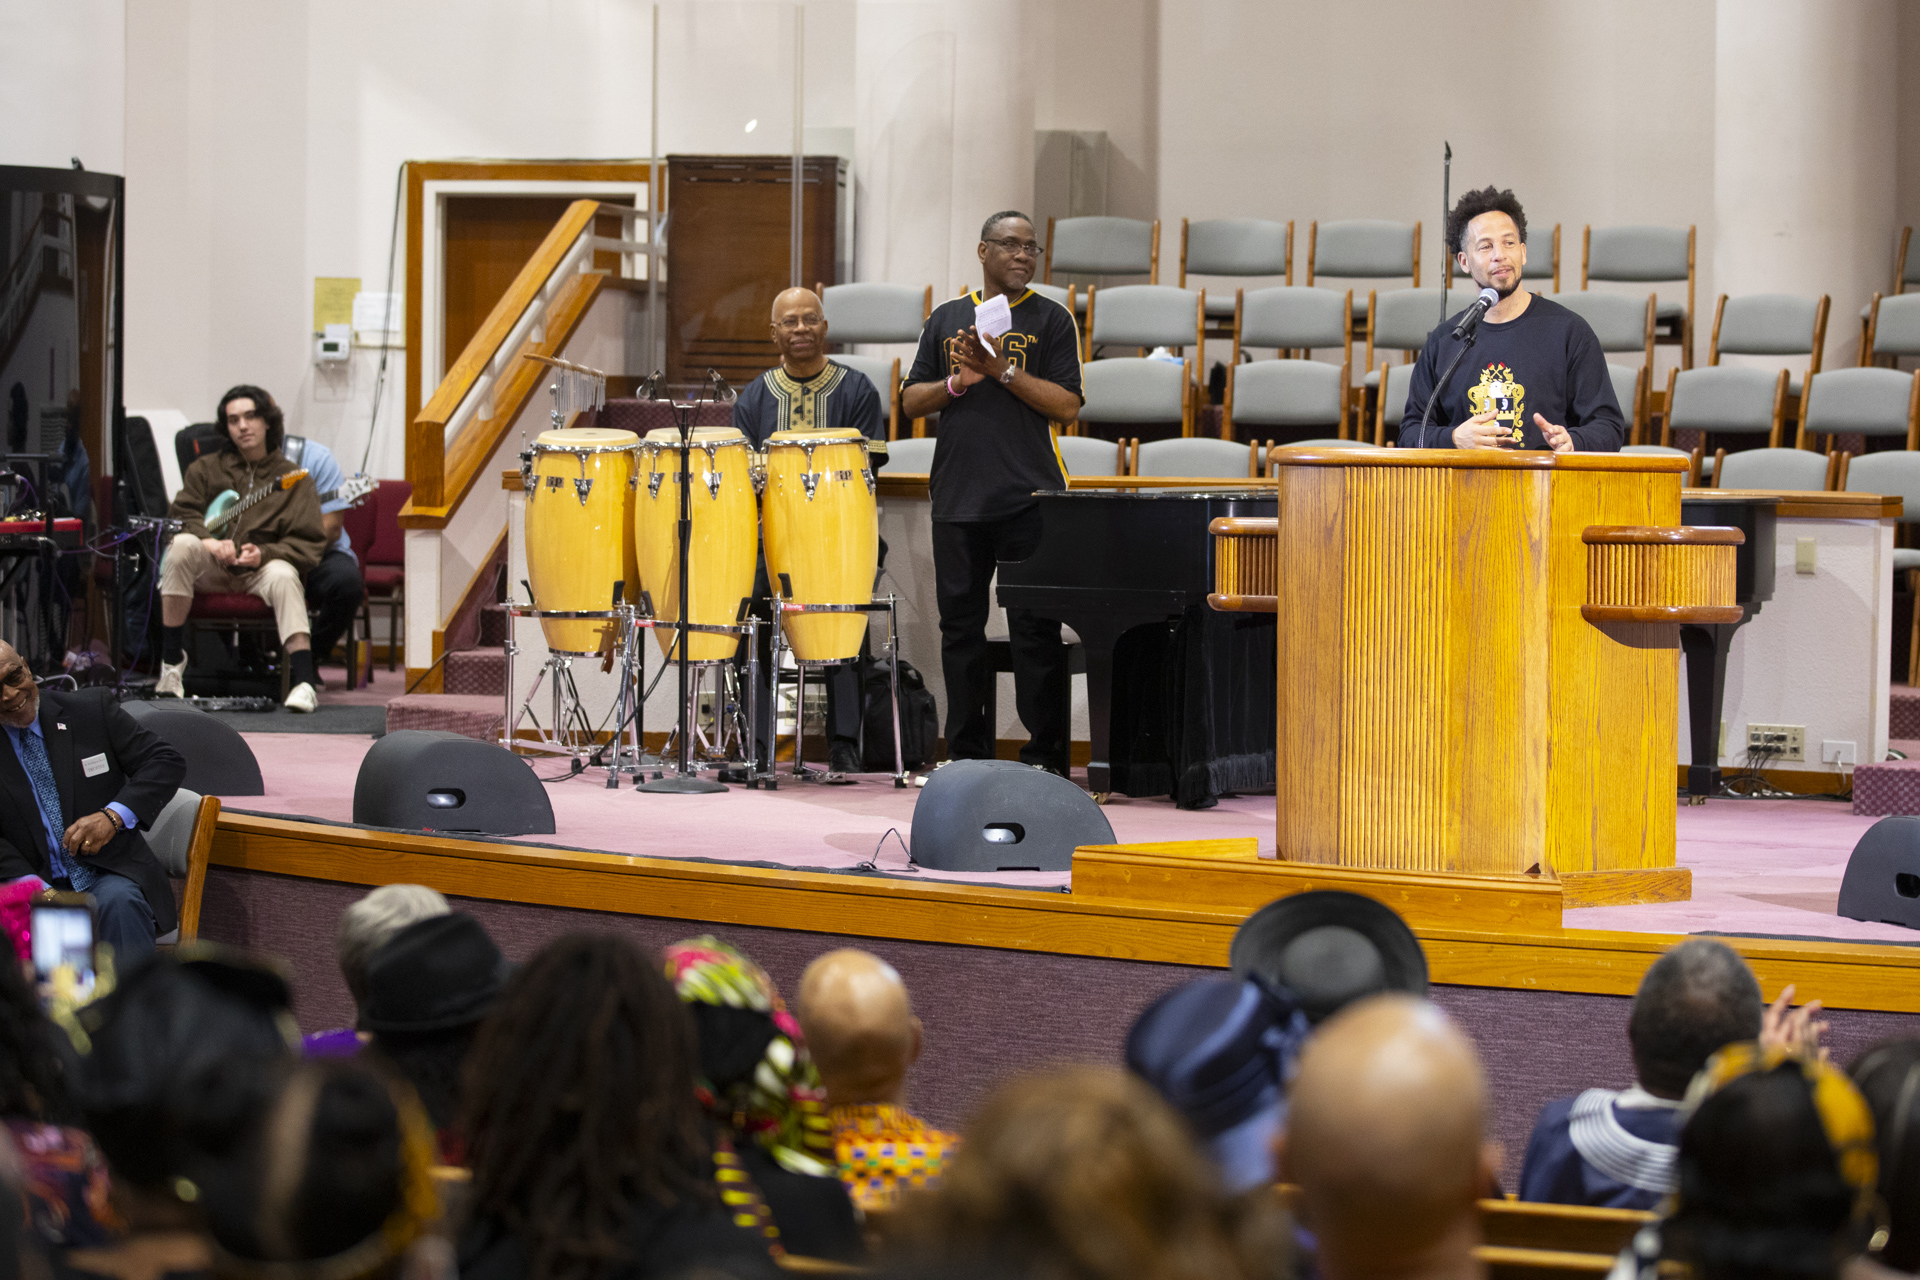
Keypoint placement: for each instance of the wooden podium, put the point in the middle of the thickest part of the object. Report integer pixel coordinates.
(1478, 659)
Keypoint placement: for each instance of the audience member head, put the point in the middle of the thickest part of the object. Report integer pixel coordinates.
(1888, 1077)
(860, 1027)
(800, 330)
(1385, 1138)
(428, 987)
(1081, 1172)
(1009, 255)
(1693, 1001)
(1776, 1164)
(32, 1086)
(165, 1055)
(251, 420)
(1329, 948)
(1221, 1052)
(756, 1078)
(326, 1172)
(367, 924)
(580, 1104)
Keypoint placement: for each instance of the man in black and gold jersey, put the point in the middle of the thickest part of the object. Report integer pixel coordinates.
(804, 392)
(996, 399)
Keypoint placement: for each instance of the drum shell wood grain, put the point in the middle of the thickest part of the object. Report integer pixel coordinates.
(827, 545)
(577, 551)
(724, 539)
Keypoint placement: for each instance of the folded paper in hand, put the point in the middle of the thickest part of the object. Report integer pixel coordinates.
(992, 318)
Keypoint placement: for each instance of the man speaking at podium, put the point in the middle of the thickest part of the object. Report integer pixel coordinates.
(1532, 376)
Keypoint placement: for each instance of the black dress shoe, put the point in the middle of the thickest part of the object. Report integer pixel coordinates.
(844, 758)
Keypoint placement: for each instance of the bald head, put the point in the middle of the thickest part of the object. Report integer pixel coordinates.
(799, 331)
(789, 301)
(1384, 1138)
(859, 1025)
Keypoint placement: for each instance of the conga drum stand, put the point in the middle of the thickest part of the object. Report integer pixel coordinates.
(783, 607)
(571, 731)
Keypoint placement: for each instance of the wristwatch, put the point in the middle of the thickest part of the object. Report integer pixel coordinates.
(1007, 377)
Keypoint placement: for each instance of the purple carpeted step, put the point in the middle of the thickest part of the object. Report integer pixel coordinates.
(1892, 786)
(1903, 712)
(471, 715)
(493, 626)
(476, 671)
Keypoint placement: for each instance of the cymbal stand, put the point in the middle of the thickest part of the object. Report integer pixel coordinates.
(783, 607)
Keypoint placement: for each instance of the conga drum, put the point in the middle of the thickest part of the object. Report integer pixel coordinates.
(720, 552)
(579, 511)
(822, 530)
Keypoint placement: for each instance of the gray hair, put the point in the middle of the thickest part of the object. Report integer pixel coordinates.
(367, 924)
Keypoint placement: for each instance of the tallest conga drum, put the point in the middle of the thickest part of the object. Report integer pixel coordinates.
(822, 530)
(579, 512)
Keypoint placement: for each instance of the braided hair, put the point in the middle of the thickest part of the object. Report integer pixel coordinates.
(580, 1105)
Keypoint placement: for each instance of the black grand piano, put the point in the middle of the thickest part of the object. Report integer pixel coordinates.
(1180, 697)
(1705, 645)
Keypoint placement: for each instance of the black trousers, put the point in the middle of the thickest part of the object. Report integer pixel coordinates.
(334, 589)
(965, 556)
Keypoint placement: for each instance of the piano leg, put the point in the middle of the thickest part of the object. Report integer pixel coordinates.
(1098, 640)
(1706, 648)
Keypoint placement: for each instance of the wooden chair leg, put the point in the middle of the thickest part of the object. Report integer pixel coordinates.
(393, 629)
(199, 850)
(1913, 641)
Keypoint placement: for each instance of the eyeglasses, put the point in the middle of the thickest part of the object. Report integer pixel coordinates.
(792, 323)
(1019, 248)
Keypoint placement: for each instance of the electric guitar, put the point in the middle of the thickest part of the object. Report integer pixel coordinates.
(228, 504)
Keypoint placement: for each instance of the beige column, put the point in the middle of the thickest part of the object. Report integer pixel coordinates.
(943, 134)
(1804, 156)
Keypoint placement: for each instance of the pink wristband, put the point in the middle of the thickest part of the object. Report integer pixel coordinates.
(951, 393)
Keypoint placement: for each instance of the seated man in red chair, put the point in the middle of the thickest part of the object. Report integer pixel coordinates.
(263, 551)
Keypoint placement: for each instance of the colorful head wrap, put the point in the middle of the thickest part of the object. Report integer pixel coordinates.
(780, 1104)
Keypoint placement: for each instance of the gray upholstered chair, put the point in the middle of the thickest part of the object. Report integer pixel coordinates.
(1725, 401)
(1103, 247)
(1085, 456)
(1906, 272)
(1363, 249)
(913, 457)
(1893, 473)
(1293, 320)
(1290, 394)
(1242, 247)
(1057, 293)
(1893, 328)
(884, 373)
(1145, 315)
(1770, 324)
(1621, 321)
(1630, 393)
(875, 312)
(1390, 407)
(1196, 456)
(1867, 402)
(1134, 391)
(1792, 469)
(181, 838)
(1402, 319)
(1693, 459)
(1646, 255)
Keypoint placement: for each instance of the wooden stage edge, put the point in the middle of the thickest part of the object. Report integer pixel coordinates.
(1527, 958)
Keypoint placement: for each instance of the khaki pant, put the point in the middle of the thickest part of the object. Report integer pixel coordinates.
(188, 567)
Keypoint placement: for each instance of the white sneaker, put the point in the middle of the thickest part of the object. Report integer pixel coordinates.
(173, 680)
(302, 698)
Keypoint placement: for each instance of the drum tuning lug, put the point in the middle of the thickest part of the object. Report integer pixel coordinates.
(583, 487)
(867, 475)
(809, 479)
(653, 483)
(713, 485)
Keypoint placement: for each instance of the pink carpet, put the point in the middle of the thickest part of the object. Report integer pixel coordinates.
(1759, 866)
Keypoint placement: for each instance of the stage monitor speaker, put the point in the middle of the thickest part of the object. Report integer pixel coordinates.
(219, 761)
(1882, 882)
(999, 815)
(428, 780)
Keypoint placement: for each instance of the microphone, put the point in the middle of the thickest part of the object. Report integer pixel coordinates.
(723, 393)
(1470, 320)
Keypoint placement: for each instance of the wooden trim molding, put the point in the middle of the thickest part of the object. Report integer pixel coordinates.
(1242, 604)
(1684, 534)
(1814, 505)
(1478, 459)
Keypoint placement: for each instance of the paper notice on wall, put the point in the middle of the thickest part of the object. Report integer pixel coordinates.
(376, 313)
(993, 318)
(333, 300)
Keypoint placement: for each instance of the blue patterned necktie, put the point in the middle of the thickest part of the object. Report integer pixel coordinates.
(33, 754)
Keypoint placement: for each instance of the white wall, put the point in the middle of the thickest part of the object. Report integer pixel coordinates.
(63, 83)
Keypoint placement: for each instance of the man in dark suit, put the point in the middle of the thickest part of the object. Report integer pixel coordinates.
(78, 779)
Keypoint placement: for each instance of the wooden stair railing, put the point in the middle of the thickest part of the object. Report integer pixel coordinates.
(487, 388)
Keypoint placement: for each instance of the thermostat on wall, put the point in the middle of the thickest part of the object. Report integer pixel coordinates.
(333, 344)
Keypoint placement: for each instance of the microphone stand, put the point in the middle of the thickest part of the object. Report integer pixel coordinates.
(684, 782)
(1466, 345)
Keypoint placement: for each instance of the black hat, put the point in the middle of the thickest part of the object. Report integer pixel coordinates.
(1221, 1051)
(433, 975)
(1330, 948)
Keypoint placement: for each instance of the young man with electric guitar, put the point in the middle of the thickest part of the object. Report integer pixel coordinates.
(252, 524)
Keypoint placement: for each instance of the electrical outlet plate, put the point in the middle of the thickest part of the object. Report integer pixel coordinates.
(1839, 751)
(1767, 743)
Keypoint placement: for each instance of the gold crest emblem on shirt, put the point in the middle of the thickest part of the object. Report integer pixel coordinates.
(1497, 393)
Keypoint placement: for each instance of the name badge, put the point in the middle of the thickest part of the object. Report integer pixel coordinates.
(94, 766)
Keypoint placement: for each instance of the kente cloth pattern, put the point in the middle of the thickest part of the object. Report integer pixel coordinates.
(782, 1106)
(881, 1149)
(741, 1198)
(66, 1185)
(32, 750)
